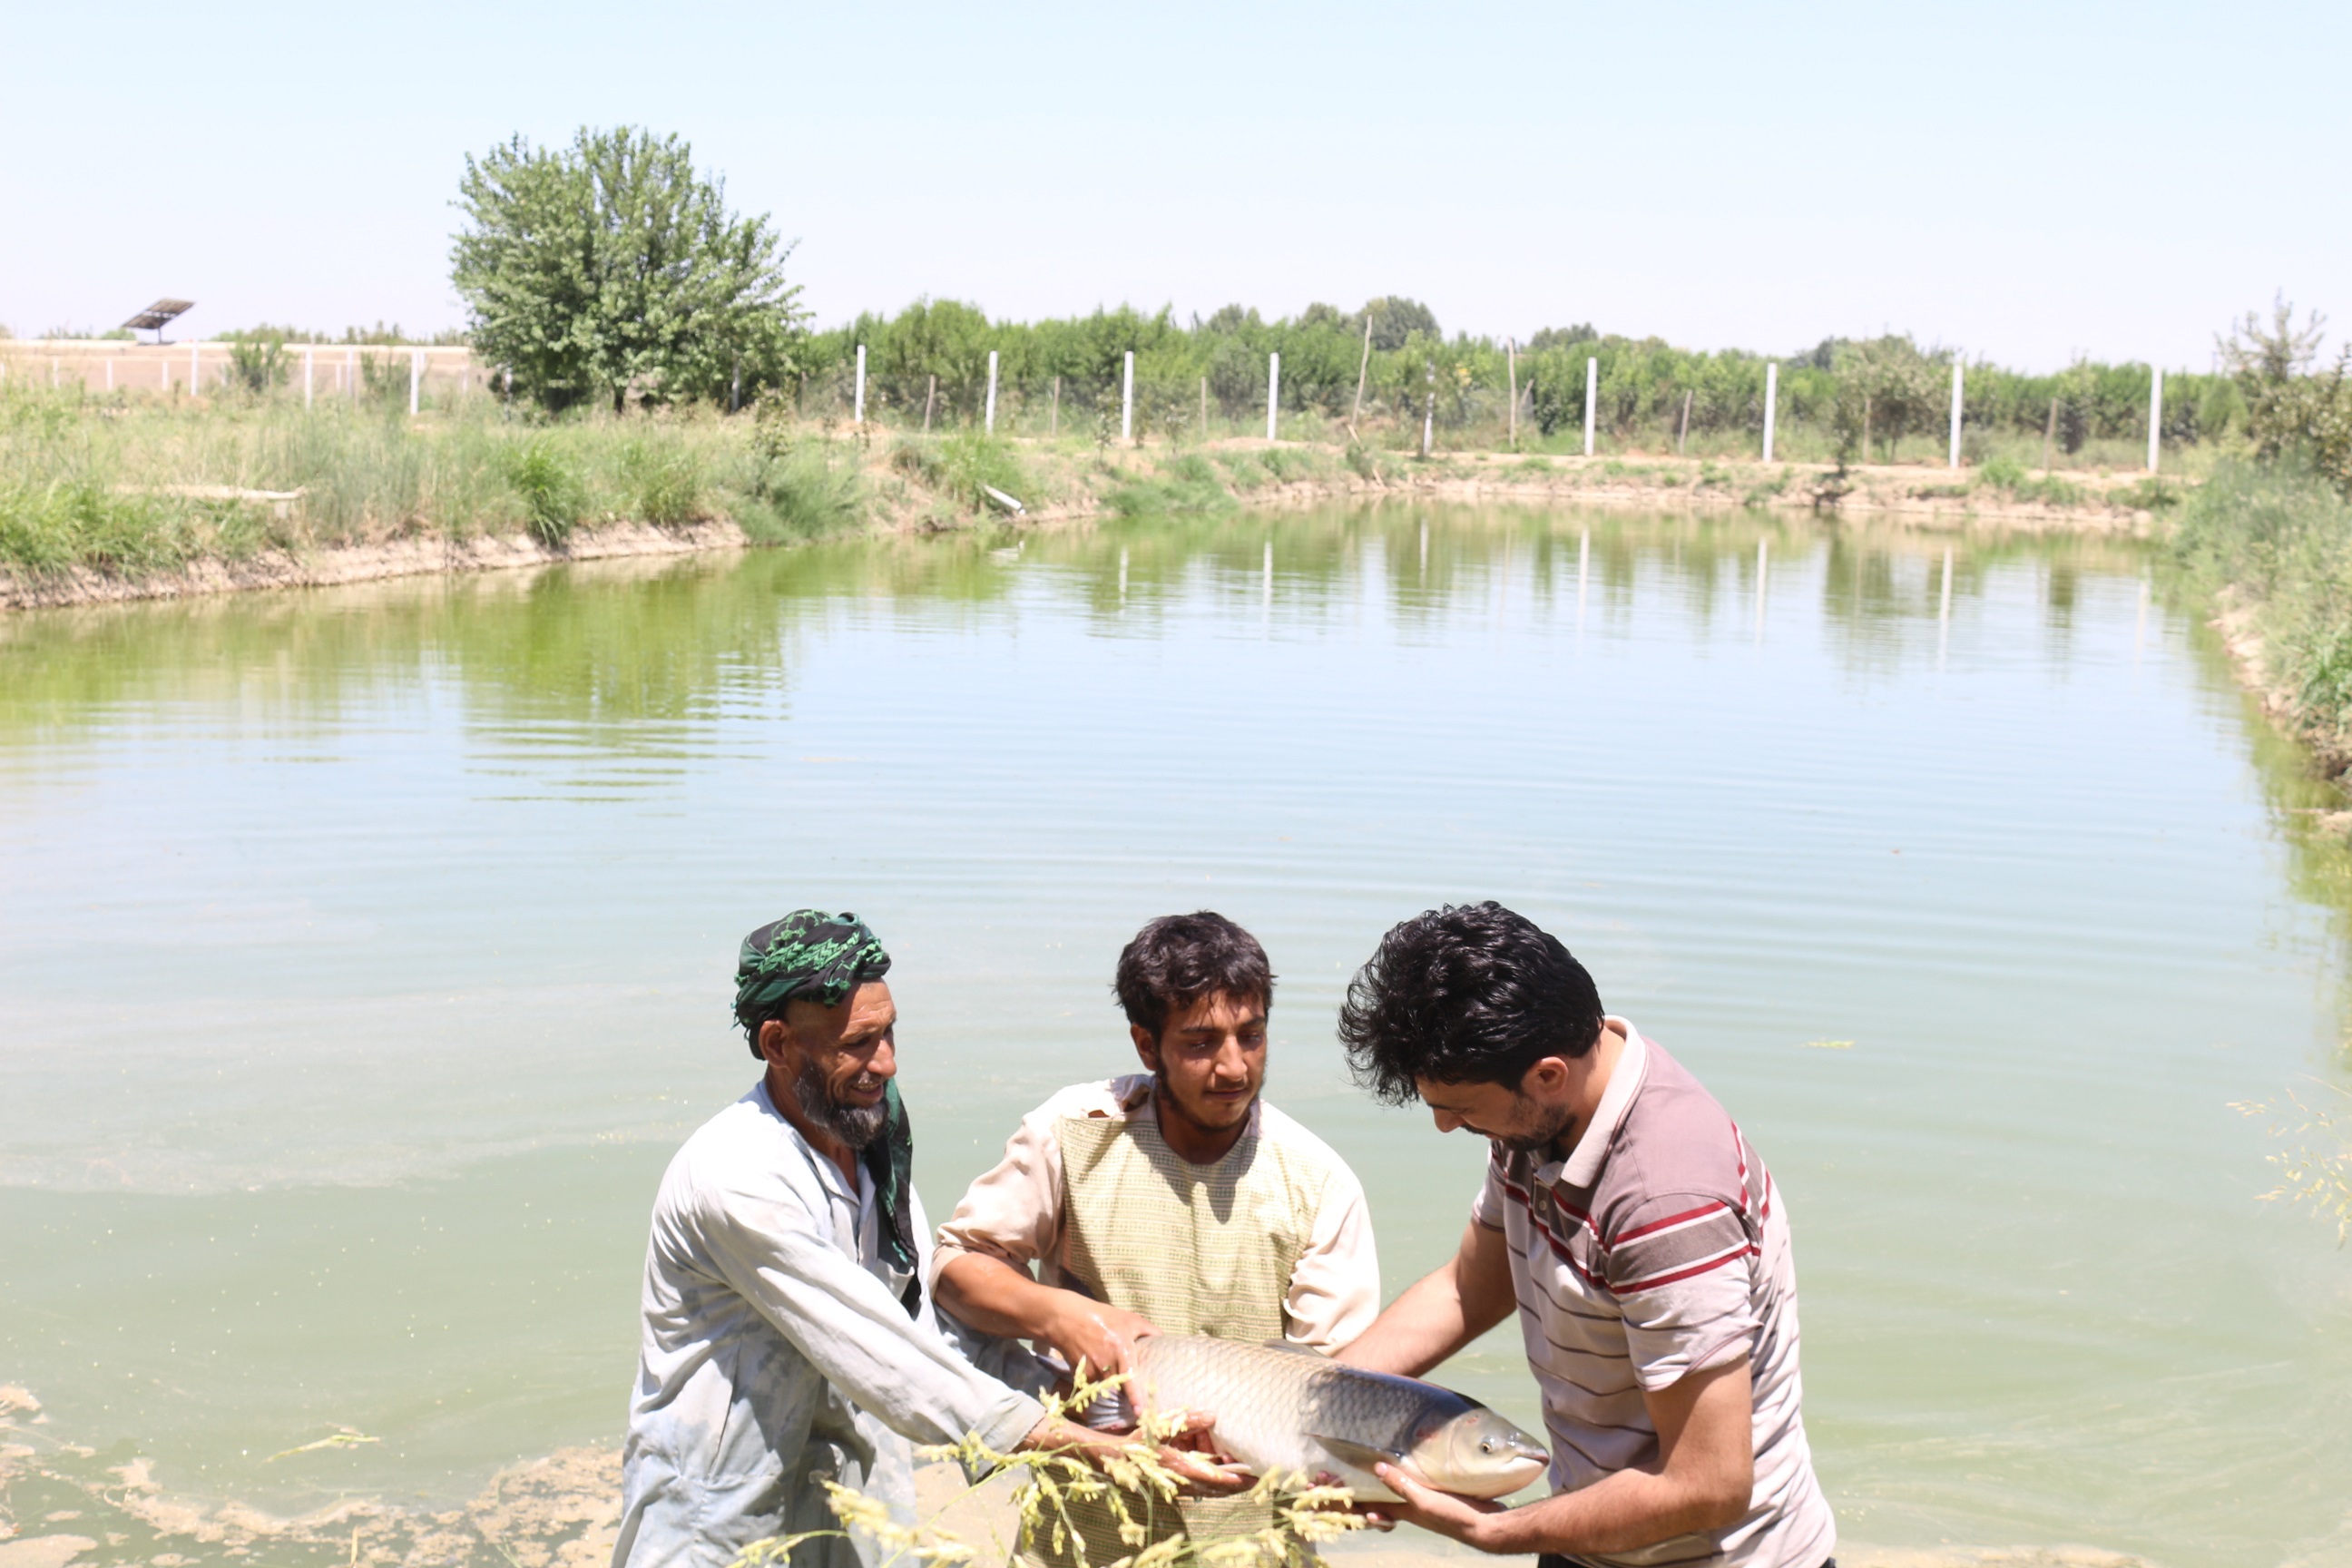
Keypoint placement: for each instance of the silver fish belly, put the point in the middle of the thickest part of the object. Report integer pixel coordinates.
(1286, 1410)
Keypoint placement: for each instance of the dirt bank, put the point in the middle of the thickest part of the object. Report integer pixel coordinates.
(412, 556)
(1285, 474)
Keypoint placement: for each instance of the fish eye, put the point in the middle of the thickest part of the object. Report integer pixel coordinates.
(1486, 1446)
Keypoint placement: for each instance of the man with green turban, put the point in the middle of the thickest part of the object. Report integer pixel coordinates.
(787, 1340)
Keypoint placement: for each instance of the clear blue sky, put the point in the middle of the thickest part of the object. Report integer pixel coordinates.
(2020, 179)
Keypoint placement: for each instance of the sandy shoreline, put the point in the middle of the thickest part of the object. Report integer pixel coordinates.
(1913, 496)
(563, 1511)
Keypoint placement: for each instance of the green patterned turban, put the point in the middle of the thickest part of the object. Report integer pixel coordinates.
(814, 956)
(808, 955)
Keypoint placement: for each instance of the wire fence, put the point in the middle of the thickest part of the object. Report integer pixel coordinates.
(352, 372)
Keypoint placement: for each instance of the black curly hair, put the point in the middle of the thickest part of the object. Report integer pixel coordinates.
(1176, 960)
(1465, 993)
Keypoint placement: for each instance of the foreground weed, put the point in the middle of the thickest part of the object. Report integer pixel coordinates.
(1050, 1480)
(2315, 1166)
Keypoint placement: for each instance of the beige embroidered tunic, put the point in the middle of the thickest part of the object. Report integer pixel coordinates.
(1271, 1242)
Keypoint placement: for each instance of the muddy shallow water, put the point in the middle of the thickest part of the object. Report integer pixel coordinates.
(363, 955)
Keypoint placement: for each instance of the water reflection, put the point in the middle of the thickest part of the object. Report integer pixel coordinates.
(638, 657)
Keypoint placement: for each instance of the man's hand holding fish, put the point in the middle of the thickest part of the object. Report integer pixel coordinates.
(1634, 1231)
(1132, 1211)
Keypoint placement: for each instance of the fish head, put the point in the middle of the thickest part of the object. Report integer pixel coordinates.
(1478, 1454)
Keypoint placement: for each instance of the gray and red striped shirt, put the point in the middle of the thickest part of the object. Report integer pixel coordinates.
(1660, 1246)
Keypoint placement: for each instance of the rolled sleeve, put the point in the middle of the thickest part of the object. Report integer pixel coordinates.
(767, 1247)
(1682, 1266)
(1012, 1213)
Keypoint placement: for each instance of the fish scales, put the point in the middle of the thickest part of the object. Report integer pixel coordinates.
(1290, 1411)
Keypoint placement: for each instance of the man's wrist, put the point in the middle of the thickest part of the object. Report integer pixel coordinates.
(1050, 1312)
(1480, 1534)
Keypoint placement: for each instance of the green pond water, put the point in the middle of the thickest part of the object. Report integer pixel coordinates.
(364, 954)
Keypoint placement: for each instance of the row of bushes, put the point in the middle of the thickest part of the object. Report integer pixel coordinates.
(930, 362)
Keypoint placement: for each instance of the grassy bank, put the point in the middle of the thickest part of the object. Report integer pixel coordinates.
(2273, 544)
(124, 488)
(136, 485)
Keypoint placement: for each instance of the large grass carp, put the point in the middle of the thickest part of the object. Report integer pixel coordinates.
(1283, 1409)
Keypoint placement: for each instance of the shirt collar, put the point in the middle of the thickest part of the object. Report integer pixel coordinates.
(828, 1172)
(1582, 1166)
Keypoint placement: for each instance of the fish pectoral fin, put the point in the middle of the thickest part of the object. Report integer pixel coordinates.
(1362, 1456)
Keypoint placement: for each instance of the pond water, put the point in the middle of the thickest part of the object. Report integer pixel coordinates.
(364, 954)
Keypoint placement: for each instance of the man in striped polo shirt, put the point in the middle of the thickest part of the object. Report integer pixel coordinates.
(1635, 1233)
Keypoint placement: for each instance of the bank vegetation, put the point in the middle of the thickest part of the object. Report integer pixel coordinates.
(2269, 534)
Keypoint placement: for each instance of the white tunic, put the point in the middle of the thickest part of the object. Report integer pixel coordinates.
(776, 1354)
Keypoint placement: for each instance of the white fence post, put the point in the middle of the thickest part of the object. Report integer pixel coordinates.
(1771, 400)
(196, 369)
(1127, 401)
(1511, 369)
(307, 377)
(857, 402)
(351, 372)
(416, 375)
(1956, 415)
(109, 373)
(989, 424)
(1273, 394)
(1591, 393)
(2155, 416)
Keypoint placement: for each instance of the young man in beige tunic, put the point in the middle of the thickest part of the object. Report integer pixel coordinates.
(1171, 1201)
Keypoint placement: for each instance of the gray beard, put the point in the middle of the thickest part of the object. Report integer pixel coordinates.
(855, 1125)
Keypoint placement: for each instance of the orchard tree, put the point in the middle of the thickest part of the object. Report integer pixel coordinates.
(2292, 410)
(609, 268)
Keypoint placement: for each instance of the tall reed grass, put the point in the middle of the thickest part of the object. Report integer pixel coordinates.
(2275, 539)
(135, 483)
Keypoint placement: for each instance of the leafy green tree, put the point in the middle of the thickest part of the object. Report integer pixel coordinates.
(942, 338)
(1886, 388)
(1395, 319)
(2290, 410)
(609, 268)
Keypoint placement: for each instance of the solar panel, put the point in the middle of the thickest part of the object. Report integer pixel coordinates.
(157, 316)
